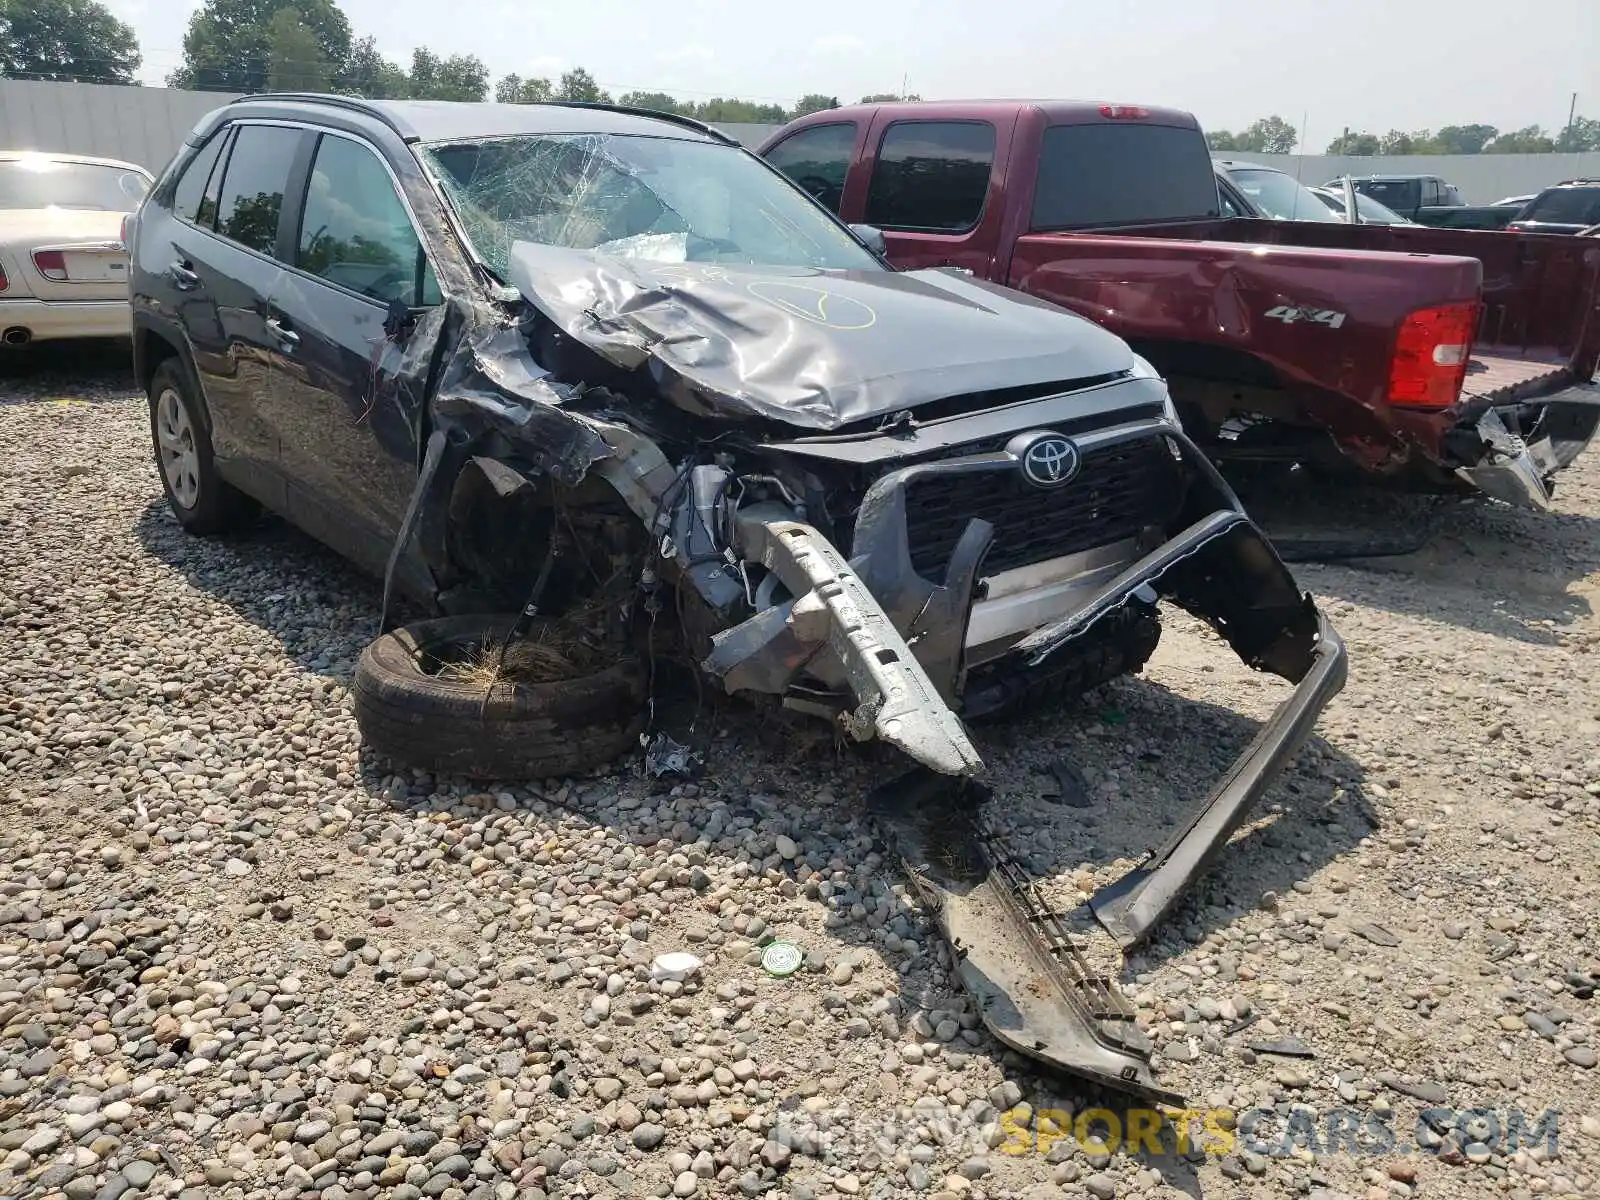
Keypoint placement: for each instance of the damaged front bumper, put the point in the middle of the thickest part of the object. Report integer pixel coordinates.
(868, 640)
(1023, 961)
(900, 642)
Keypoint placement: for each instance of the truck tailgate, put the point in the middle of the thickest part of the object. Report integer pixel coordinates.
(1541, 292)
(1319, 316)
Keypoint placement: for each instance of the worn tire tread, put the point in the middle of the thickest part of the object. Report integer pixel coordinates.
(517, 731)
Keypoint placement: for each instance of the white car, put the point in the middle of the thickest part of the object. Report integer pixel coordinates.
(63, 265)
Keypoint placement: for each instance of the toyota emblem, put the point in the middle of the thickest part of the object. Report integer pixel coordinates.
(1048, 460)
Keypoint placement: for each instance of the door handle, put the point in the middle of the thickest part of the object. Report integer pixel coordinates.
(184, 279)
(287, 338)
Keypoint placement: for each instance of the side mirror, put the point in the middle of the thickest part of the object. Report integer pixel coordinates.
(872, 238)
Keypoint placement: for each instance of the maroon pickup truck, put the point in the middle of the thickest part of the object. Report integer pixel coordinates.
(1438, 358)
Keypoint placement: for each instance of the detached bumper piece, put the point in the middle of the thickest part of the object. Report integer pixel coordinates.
(1131, 907)
(1015, 955)
(1021, 961)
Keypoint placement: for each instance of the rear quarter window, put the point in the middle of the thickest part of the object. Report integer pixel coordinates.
(1123, 173)
(931, 176)
(189, 196)
(817, 159)
(1402, 195)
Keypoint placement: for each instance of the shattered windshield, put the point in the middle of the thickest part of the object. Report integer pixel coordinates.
(660, 199)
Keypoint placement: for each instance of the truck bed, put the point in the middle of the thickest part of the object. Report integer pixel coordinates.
(1507, 380)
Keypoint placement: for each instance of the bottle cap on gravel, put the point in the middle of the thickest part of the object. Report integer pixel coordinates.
(782, 959)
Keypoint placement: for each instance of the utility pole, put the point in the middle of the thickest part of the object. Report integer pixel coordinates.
(1572, 116)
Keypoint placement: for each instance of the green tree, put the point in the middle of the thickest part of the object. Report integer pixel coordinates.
(295, 62)
(1354, 144)
(578, 84)
(368, 73)
(1222, 139)
(459, 77)
(1398, 142)
(815, 102)
(656, 101)
(1530, 140)
(1583, 134)
(1269, 135)
(514, 89)
(888, 98)
(75, 41)
(737, 112)
(228, 44)
(1464, 139)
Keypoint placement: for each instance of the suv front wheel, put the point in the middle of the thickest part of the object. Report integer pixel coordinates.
(198, 496)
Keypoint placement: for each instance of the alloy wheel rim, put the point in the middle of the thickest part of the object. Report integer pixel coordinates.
(180, 461)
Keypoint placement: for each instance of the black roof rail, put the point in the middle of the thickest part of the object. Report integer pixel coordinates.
(354, 103)
(376, 110)
(633, 110)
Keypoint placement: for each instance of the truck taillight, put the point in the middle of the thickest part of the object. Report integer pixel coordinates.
(1430, 356)
(125, 237)
(52, 264)
(1123, 112)
(4, 282)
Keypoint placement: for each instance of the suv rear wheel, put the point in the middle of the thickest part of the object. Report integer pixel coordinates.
(198, 496)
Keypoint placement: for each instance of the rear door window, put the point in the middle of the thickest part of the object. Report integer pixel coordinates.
(1402, 195)
(931, 176)
(189, 196)
(251, 201)
(356, 232)
(818, 159)
(1123, 173)
(1565, 206)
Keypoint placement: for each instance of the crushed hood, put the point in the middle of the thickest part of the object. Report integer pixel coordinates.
(810, 348)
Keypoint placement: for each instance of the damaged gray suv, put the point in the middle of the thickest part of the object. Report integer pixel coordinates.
(596, 385)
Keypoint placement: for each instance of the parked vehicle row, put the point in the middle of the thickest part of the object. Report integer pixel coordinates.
(927, 445)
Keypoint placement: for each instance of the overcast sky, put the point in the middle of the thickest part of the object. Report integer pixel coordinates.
(1370, 65)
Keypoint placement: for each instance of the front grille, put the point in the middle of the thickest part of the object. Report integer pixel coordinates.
(1118, 492)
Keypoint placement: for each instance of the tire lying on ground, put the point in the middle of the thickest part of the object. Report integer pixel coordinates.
(411, 712)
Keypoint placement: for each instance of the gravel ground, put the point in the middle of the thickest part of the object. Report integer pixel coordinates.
(241, 958)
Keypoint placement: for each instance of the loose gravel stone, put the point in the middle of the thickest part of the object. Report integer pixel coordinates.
(239, 956)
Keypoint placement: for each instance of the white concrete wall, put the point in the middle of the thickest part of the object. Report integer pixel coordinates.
(145, 125)
(1482, 178)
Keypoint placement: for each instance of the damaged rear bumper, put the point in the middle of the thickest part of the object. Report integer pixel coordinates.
(1509, 468)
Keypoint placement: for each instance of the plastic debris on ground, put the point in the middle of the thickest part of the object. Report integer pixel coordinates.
(677, 966)
(1071, 784)
(667, 758)
(782, 959)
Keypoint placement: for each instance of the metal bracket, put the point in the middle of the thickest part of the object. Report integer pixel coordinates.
(898, 702)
